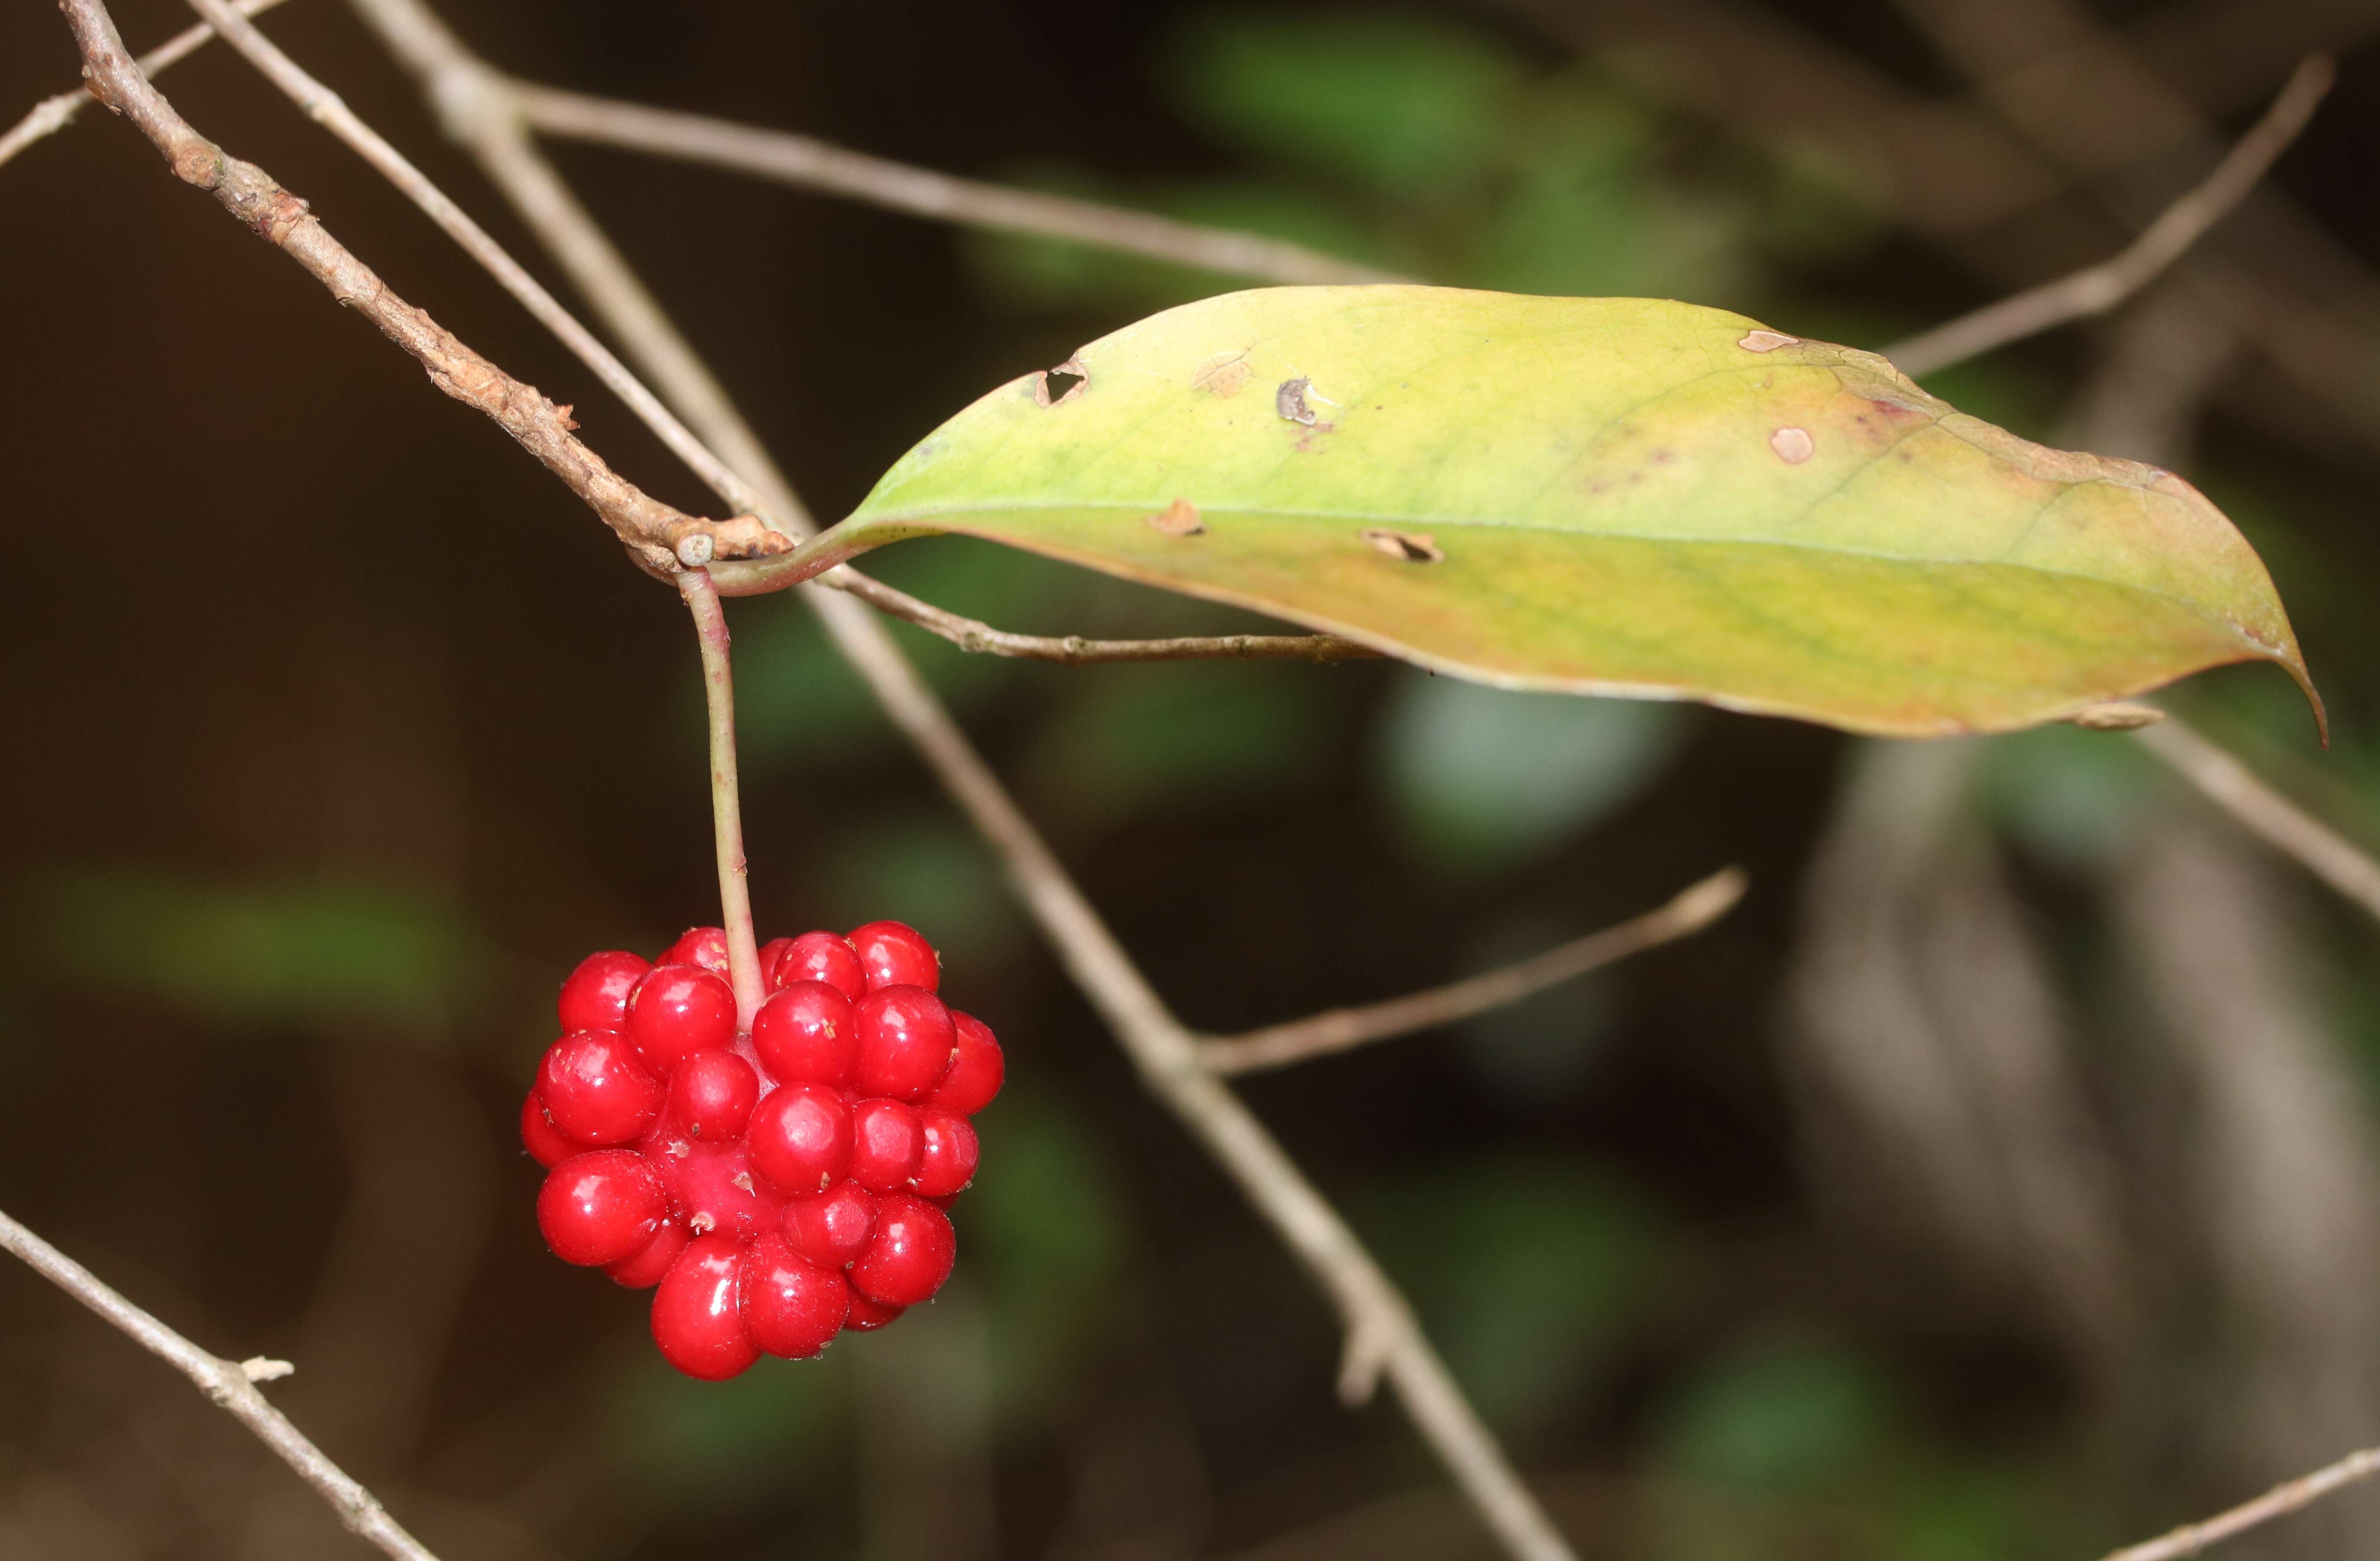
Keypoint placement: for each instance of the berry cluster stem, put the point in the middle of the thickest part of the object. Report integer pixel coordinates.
(727, 805)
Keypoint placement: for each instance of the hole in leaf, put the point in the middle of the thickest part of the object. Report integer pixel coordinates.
(1414, 547)
(1056, 387)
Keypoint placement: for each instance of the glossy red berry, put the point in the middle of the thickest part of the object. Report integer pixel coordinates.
(906, 1043)
(698, 1311)
(792, 1306)
(679, 1010)
(831, 1228)
(976, 1073)
(645, 1270)
(547, 1144)
(805, 1033)
(866, 1316)
(894, 955)
(601, 1207)
(776, 1188)
(596, 1090)
(705, 947)
(909, 1256)
(711, 1095)
(947, 1157)
(801, 1137)
(596, 995)
(819, 956)
(712, 1187)
(885, 1144)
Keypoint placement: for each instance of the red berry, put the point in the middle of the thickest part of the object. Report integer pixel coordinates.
(792, 1306)
(946, 1161)
(805, 1032)
(595, 1089)
(679, 1010)
(711, 1186)
(819, 956)
(698, 1318)
(596, 995)
(894, 955)
(711, 1095)
(831, 1228)
(975, 1075)
(645, 1270)
(906, 1041)
(910, 1255)
(800, 1137)
(706, 946)
(547, 1144)
(866, 1316)
(885, 1144)
(770, 952)
(601, 1207)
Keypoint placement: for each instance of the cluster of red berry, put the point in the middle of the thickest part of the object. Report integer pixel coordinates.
(781, 1185)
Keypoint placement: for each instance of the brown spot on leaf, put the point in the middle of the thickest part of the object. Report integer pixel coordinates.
(1290, 401)
(1766, 341)
(1225, 374)
(1794, 446)
(1072, 369)
(1179, 518)
(2116, 715)
(1413, 547)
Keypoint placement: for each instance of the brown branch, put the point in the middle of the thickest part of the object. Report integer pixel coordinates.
(654, 531)
(2267, 815)
(2095, 289)
(1342, 1029)
(52, 115)
(1072, 650)
(232, 1386)
(691, 543)
(809, 164)
(2191, 1538)
(1378, 1320)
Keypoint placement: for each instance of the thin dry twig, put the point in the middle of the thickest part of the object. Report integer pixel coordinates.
(2191, 1538)
(476, 97)
(1342, 1029)
(2098, 288)
(1376, 1315)
(968, 634)
(2265, 813)
(653, 530)
(232, 1385)
(749, 535)
(726, 801)
(809, 164)
(52, 115)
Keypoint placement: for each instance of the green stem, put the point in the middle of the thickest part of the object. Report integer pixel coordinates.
(726, 807)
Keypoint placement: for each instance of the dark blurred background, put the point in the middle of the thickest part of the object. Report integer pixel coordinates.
(1998, 1181)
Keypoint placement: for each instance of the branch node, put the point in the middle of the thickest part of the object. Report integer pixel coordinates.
(1361, 1361)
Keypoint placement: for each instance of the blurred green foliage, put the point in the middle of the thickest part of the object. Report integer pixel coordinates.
(320, 953)
(1528, 1272)
(1420, 145)
(1480, 778)
(1786, 1443)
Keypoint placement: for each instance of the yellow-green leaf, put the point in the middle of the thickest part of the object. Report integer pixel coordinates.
(1601, 495)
